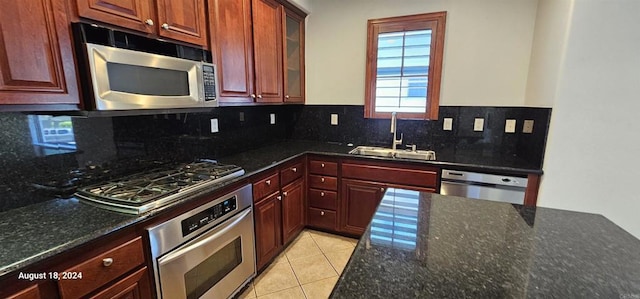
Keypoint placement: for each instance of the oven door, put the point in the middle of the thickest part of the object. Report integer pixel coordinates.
(213, 265)
(125, 79)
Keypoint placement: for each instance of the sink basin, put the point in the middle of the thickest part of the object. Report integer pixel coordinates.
(390, 153)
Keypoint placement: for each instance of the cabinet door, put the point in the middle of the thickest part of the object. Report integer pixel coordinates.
(134, 286)
(267, 49)
(31, 292)
(232, 48)
(293, 25)
(183, 20)
(132, 14)
(360, 201)
(36, 58)
(292, 210)
(268, 229)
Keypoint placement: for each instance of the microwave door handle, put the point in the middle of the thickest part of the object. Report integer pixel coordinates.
(231, 222)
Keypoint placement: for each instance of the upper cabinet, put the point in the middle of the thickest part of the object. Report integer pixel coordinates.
(255, 43)
(36, 57)
(183, 20)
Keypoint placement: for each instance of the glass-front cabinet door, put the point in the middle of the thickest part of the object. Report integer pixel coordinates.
(293, 58)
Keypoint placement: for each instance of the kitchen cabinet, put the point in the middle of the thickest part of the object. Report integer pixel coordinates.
(360, 200)
(249, 41)
(322, 211)
(134, 286)
(179, 20)
(36, 56)
(279, 198)
(32, 292)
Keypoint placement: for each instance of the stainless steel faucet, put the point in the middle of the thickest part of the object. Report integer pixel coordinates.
(394, 119)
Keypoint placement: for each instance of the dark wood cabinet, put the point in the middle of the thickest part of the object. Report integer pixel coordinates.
(360, 199)
(293, 50)
(179, 20)
(267, 50)
(32, 292)
(134, 286)
(293, 210)
(268, 228)
(36, 56)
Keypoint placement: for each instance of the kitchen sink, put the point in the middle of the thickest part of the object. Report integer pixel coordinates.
(390, 153)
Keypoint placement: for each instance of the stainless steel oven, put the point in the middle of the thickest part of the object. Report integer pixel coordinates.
(207, 252)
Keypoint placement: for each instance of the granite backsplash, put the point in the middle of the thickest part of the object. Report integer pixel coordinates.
(99, 147)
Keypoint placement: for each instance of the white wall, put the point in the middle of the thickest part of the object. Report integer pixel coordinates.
(487, 48)
(549, 41)
(592, 161)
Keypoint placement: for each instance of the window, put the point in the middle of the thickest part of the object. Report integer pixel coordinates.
(52, 135)
(404, 64)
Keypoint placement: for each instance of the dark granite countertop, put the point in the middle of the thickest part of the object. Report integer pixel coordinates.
(422, 245)
(65, 223)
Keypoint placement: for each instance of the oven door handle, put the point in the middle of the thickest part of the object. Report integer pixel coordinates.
(224, 228)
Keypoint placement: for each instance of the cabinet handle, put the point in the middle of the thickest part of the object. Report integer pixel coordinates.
(322, 165)
(381, 189)
(259, 96)
(321, 194)
(285, 193)
(294, 169)
(107, 262)
(279, 197)
(268, 182)
(165, 26)
(286, 97)
(321, 213)
(149, 22)
(253, 96)
(322, 180)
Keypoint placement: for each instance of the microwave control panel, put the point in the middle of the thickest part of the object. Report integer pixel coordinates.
(209, 215)
(209, 76)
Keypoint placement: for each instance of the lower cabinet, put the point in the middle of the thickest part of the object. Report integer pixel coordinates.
(32, 292)
(268, 228)
(134, 286)
(292, 210)
(360, 199)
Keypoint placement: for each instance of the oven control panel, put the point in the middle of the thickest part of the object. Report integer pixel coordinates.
(209, 215)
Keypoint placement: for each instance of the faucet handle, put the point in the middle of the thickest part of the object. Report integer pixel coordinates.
(401, 137)
(412, 146)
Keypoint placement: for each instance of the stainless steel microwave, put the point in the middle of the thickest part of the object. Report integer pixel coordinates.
(123, 71)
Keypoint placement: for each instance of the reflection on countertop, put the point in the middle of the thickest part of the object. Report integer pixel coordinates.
(424, 245)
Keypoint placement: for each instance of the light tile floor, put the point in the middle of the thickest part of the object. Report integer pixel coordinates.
(308, 268)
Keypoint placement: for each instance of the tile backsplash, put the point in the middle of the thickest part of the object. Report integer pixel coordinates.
(126, 140)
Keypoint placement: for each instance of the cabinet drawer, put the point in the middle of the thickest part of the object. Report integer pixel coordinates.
(291, 173)
(323, 182)
(321, 218)
(323, 199)
(103, 268)
(265, 187)
(391, 174)
(323, 167)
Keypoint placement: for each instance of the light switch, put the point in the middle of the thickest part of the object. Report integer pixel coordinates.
(214, 125)
(272, 118)
(478, 124)
(334, 119)
(447, 124)
(528, 126)
(510, 126)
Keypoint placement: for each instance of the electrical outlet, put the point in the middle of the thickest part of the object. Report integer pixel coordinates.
(478, 124)
(241, 116)
(334, 119)
(272, 118)
(447, 124)
(528, 126)
(214, 125)
(510, 126)
(177, 116)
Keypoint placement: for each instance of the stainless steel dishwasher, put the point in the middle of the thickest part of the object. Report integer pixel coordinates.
(483, 186)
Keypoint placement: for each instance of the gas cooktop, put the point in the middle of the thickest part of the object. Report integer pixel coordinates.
(142, 192)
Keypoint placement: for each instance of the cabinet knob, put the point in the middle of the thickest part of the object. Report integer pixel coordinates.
(321, 194)
(321, 213)
(322, 165)
(286, 97)
(322, 180)
(259, 96)
(165, 26)
(149, 22)
(279, 197)
(253, 96)
(107, 262)
(294, 169)
(285, 193)
(381, 189)
(268, 182)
